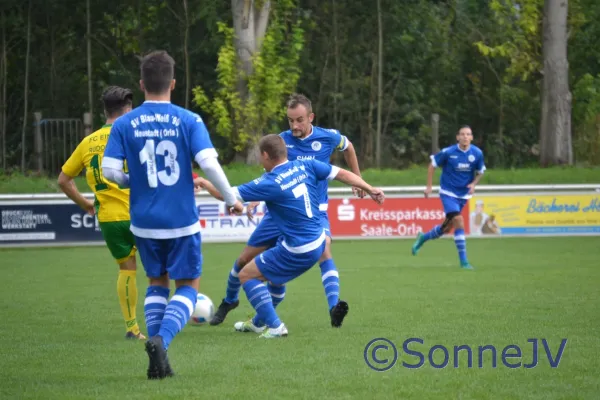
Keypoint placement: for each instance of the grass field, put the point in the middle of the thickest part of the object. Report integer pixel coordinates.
(63, 335)
(238, 174)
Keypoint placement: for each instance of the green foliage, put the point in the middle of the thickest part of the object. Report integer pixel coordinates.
(519, 36)
(586, 114)
(243, 120)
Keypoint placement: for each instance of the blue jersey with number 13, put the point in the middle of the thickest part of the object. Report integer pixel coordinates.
(159, 140)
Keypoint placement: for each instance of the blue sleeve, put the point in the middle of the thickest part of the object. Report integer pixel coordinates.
(114, 147)
(440, 159)
(200, 142)
(258, 190)
(338, 141)
(322, 170)
(480, 164)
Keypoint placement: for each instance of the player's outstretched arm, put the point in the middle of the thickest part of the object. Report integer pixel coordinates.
(66, 184)
(352, 162)
(209, 187)
(354, 180)
(214, 172)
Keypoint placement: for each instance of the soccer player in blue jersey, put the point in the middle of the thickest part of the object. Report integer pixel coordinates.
(462, 168)
(292, 192)
(159, 140)
(304, 142)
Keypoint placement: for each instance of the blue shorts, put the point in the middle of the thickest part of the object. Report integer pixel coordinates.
(325, 223)
(452, 204)
(266, 233)
(180, 257)
(280, 266)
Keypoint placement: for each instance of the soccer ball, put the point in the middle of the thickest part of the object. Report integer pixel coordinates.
(204, 310)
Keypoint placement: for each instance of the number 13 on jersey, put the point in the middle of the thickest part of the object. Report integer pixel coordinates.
(166, 149)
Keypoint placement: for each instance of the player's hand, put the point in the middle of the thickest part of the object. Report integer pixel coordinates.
(250, 209)
(471, 188)
(237, 208)
(427, 191)
(358, 192)
(89, 207)
(377, 195)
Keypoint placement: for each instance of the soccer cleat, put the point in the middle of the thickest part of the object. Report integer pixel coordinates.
(338, 313)
(273, 333)
(418, 243)
(466, 265)
(248, 326)
(131, 335)
(222, 311)
(158, 366)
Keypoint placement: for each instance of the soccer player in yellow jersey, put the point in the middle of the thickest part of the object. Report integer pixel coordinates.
(111, 203)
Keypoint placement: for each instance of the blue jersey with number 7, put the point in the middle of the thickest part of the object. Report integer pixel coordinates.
(159, 140)
(292, 194)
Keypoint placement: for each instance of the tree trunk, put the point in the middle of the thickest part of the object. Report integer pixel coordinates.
(186, 53)
(555, 129)
(89, 63)
(379, 86)
(3, 83)
(250, 27)
(26, 88)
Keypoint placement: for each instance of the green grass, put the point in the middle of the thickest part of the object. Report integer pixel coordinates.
(63, 335)
(238, 174)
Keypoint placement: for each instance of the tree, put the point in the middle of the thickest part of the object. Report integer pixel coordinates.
(255, 72)
(555, 129)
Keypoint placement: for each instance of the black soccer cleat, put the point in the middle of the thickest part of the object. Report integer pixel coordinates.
(168, 370)
(338, 313)
(158, 363)
(222, 312)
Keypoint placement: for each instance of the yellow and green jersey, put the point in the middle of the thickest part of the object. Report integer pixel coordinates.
(112, 202)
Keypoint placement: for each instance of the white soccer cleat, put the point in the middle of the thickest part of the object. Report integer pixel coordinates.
(272, 333)
(248, 326)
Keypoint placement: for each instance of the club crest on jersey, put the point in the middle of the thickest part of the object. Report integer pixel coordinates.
(471, 158)
(316, 146)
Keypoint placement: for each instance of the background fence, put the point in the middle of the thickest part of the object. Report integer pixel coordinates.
(495, 211)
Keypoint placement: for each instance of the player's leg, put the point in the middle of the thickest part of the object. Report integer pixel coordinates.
(258, 295)
(330, 279)
(450, 206)
(264, 236)
(152, 253)
(121, 244)
(458, 224)
(184, 262)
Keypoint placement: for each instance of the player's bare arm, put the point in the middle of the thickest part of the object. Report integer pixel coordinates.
(354, 180)
(212, 190)
(352, 162)
(475, 182)
(67, 185)
(430, 172)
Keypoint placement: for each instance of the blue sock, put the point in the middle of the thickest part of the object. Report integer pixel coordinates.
(435, 233)
(258, 295)
(331, 282)
(233, 284)
(461, 244)
(277, 295)
(156, 301)
(177, 313)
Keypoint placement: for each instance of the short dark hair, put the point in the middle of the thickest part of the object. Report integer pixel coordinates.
(463, 127)
(274, 146)
(157, 70)
(297, 99)
(115, 99)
